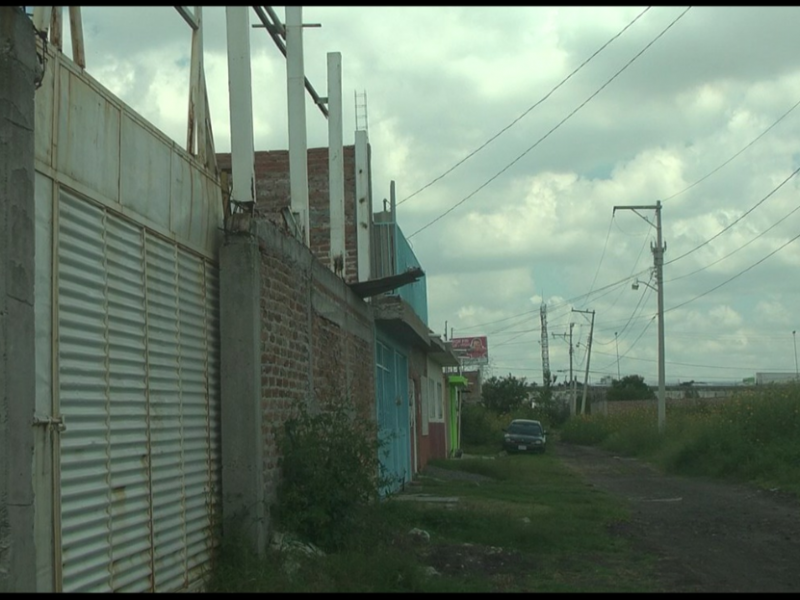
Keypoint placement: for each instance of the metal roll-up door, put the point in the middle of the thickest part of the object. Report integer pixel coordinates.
(138, 388)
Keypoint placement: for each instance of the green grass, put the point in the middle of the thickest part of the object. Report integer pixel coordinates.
(755, 437)
(565, 541)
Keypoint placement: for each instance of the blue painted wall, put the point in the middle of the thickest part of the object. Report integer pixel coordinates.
(393, 413)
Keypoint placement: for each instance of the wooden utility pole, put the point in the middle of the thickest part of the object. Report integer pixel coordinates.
(588, 360)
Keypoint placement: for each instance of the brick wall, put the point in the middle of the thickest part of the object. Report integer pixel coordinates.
(418, 368)
(273, 194)
(308, 355)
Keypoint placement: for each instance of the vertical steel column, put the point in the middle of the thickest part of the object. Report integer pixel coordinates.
(336, 165)
(295, 85)
(364, 207)
(241, 103)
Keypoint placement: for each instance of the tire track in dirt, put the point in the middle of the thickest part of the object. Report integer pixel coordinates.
(708, 536)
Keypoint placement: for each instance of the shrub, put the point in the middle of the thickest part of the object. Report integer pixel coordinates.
(330, 471)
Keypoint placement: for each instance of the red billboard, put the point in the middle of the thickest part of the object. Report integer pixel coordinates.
(471, 350)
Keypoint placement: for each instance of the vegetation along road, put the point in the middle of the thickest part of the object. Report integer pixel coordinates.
(710, 504)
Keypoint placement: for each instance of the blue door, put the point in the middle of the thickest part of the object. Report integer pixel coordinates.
(391, 385)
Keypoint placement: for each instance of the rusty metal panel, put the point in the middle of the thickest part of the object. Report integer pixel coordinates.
(214, 448)
(88, 136)
(181, 193)
(145, 176)
(43, 115)
(166, 413)
(128, 476)
(138, 358)
(200, 212)
(82, 352)
(195, 405)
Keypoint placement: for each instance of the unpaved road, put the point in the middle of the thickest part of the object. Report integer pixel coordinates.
(708, 536)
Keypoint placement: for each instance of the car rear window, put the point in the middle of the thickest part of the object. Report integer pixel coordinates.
(525, 429)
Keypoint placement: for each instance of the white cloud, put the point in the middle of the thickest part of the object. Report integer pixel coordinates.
(441, 81)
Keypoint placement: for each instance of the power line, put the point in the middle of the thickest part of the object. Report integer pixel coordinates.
(719, 233)
(758, 137)
(563, 305)
(778, 222)
(559, 124)
(739, 274)
(602, 256)
(515, 121)
(636, 341)
(683, 364)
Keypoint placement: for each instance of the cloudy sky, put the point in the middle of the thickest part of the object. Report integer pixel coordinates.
(692, 108)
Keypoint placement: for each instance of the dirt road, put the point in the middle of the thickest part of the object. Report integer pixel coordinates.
(708, 536)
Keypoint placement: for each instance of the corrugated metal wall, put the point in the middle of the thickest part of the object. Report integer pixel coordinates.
(138, 387)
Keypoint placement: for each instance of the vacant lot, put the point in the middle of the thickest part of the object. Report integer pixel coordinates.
(508, 523)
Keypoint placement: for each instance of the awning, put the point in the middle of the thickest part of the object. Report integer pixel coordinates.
(395, 316)
(375, 287)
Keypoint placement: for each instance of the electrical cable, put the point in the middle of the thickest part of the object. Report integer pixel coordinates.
(739, 274)
(762, 134)
(719, 233)
(515, 121)
(778, 222)
(559, 124)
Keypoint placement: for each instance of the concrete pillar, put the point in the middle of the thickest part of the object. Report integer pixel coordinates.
(298, 138)
(338, 255)
(17, 383)
(243, 502)
(363, 206)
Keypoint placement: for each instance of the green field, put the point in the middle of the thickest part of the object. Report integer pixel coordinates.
(753, 437)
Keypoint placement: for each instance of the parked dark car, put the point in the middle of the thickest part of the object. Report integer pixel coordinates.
(524, 435)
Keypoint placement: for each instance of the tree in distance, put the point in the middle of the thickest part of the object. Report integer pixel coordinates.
(630, 387)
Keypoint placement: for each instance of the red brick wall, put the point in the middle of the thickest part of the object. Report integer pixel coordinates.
(273, 193)
(306, 357)
(418, 368)
(437, 446)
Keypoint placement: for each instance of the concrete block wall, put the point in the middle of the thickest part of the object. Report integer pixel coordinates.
(273, 193)
(17, 352)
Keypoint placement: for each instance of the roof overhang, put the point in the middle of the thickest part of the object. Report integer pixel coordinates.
(398, 319)
(442, 352)
(375, 287)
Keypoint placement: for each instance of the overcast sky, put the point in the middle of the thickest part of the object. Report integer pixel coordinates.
(535, 224)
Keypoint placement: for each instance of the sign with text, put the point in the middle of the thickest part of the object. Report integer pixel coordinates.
(471, 350)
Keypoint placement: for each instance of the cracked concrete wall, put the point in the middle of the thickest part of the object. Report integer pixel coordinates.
(17, 385)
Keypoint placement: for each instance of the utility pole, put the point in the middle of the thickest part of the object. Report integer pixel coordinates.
(658, 264)
(794, 339)
(588, 360)
(571, 380)
(616, 342)
(545, 348)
